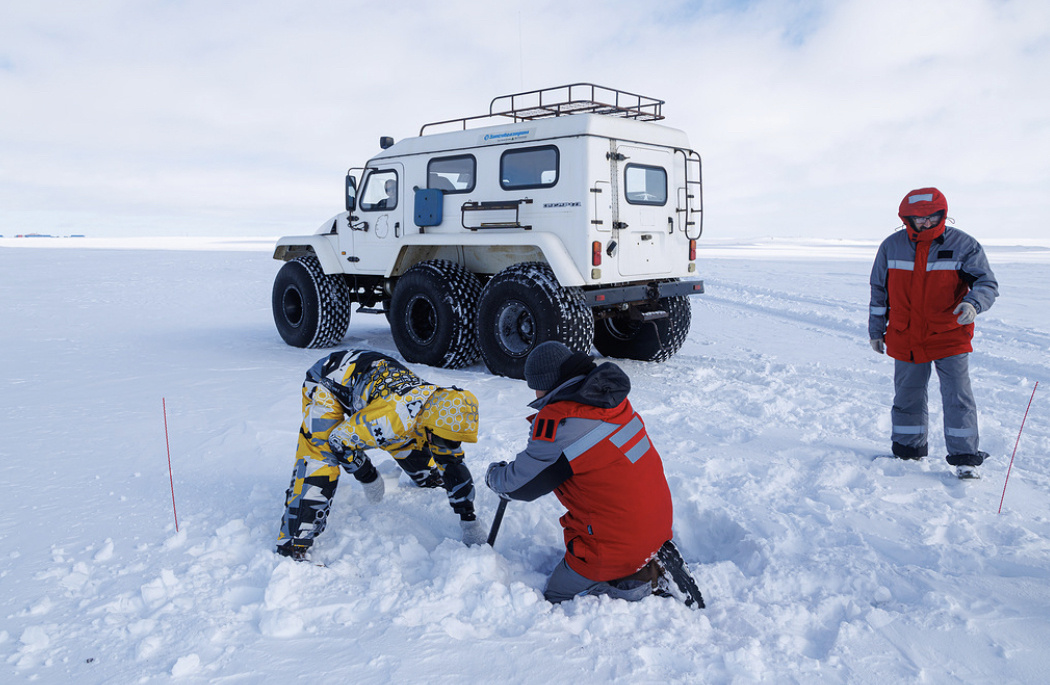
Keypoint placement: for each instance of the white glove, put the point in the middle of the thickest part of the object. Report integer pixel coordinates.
(474, 533)
(879, 345)
(967, 313)
(375, 490)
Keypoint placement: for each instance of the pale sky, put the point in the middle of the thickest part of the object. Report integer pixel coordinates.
(813, 118)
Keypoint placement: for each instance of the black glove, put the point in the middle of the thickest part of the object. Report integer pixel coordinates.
(488, 473)
(350, 460)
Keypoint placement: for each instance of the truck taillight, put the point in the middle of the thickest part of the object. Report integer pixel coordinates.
(596, 253)
(692, 250)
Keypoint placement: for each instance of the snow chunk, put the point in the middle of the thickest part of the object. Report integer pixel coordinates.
(106, 553)
(280, 624)
(186, 665)
(34, 639)
(155, 592)
(41, 607)
(148, 647)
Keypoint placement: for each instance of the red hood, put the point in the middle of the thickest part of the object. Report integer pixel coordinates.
(924, 202)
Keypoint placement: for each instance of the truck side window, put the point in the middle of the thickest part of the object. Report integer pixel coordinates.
(380, 191)
(645, 185)
(452, 174)
(533, 167)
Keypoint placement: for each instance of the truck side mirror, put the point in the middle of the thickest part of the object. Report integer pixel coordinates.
(385, 142)
(351, 193)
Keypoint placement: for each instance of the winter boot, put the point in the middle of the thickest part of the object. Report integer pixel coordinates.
(676, 578)
(662, 584)
(296, 552)
(966, 464)
(909, 452)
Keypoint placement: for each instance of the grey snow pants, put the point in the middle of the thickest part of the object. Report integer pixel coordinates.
(565, 584)
(910, 416)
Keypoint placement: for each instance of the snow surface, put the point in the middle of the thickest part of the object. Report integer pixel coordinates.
(819, 563)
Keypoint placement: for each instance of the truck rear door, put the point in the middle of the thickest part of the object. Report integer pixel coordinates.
(646, 210)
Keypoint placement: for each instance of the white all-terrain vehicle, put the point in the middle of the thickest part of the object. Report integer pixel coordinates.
(562, 214)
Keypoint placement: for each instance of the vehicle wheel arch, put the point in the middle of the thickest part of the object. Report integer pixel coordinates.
(319, 247)
(485, 259)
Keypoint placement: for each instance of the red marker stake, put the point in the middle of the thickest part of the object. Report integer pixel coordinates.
(1015, 446)
(164, 404)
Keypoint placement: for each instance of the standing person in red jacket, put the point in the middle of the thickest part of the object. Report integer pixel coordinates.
(590, 448)
(927, 286)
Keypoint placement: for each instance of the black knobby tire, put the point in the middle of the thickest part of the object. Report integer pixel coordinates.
(522, 306)
(310, 308)
(432, 314)
(656, 340)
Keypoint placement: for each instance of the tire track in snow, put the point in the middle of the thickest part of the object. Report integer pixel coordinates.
(841, 321)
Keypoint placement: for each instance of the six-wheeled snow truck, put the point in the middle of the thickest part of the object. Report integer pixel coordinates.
(562, 214)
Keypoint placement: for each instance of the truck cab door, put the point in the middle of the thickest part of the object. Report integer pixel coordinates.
(646, 210)
(381, 210)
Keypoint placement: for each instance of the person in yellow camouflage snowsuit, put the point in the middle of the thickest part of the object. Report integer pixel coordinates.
(354, 400)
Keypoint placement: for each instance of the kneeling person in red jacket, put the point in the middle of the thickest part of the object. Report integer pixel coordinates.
(590, 448)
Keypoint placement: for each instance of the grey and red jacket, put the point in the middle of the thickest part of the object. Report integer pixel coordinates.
(917, 281)
(590, 448)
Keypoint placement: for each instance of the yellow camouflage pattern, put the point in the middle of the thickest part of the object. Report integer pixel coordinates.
(368, 401)
(452, 414)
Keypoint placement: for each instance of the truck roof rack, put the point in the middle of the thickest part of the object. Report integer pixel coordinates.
(574, 98)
